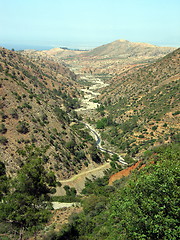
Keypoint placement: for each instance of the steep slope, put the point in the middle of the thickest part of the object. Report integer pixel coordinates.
(38, 100)
(144, 105)
(144, 205)
(132, 82)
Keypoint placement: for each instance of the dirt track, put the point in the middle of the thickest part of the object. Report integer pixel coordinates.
(78, 181)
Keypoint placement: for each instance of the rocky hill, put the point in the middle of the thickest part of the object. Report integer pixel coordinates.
(126, 49)
(38, 99)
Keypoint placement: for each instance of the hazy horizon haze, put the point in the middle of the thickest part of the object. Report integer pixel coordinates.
(88, 24)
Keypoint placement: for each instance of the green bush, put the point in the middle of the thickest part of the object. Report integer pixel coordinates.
(154, 128)
(3, 140)
(141, 136)
(143, 206)
(176, 113)
(13, 113)
(104, 122)
(22, 127)
(3, 129)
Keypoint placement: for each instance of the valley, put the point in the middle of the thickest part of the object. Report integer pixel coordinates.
(71, 121)
(87, 109)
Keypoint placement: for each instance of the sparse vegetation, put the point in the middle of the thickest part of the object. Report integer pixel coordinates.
(43, 135)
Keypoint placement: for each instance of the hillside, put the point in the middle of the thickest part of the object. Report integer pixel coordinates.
(112, 58)
(117, 57)
(42, 136)
(143, 106)
(126, 49)
(142, 206)
(130, 83)
(38, 99)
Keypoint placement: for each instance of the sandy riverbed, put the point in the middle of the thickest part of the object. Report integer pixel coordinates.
(90, 93)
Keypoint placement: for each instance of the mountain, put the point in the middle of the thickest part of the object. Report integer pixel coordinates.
(134, 82)
(42, 135)
(124, 48)
(139, 115)
(117, 57)
(112, 58)
(144, 105)
(38, 99)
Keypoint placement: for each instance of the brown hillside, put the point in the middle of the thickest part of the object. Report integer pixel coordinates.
(126, 172)
(112, 58)
(35, 99)
(126, 49)
(144, 103)
(135, 82)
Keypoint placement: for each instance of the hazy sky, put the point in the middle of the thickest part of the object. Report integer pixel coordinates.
(88, 23)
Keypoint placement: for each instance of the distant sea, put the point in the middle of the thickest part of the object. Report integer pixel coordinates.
(18, 47)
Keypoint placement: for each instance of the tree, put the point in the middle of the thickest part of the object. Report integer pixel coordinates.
(143, 206)
(148, 206)
(70, 192)
(115, 157)
(3, 180)
(94, 154)
(26, 205)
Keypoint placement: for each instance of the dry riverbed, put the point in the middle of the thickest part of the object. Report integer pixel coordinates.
(87, 104)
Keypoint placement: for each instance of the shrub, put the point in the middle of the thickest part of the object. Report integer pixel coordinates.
(141, 136)
(154, 128)
(3, 140)
(13, 113)
(26, 105)
(22, 127)
(176, 113)
(3, 129)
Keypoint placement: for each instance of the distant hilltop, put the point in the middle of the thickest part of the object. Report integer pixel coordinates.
(72, 49)
(129, 49)
(120, 50)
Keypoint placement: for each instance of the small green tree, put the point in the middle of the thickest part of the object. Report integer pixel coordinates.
(70, 192)
(115, 157)
(26, 205)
